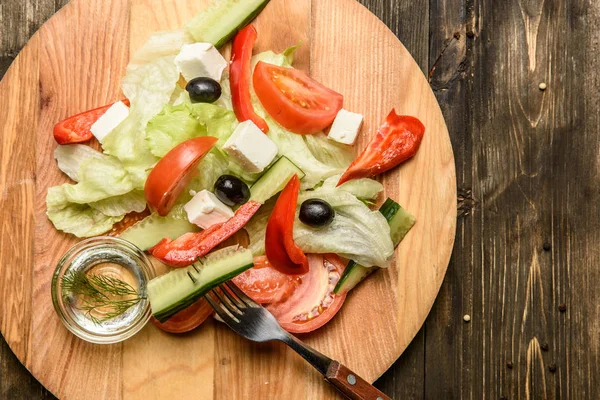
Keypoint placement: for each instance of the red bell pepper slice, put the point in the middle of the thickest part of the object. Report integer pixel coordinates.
(186, 249)
(240, 73)
(280, 248)
(76, 129)
(397, 140)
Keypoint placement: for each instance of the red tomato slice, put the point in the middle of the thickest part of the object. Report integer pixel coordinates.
(188, 319)
(174, 171)
(313, 303)
(264, 284)
(397, 140)
(187, 248)
(76, 129)
(295, 100)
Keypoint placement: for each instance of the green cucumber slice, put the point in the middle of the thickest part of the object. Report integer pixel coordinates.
(154, 228)
(400, 221)
(180, 288)
(219, 23)
(274, 180)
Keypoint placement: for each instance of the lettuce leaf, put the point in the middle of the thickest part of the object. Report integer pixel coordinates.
(212, 166)
(149, 88)
(159, 45)
(363, 189)
(219, 121)
(70, 157)
(329, 152)
(100, 178)
(79, 219)
(172, 126)
(120, 205)
(356, 232)
(295, 148)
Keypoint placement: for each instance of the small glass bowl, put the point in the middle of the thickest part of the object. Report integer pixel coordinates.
(99, 252)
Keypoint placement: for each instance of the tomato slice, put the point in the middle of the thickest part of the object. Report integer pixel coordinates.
(397, 140)
(188, 319)
(264, 284)
(280, 248)
(313, 303)
(77, 129)
(174, 171)
(295, 100)
(187, 248)
(129, 220)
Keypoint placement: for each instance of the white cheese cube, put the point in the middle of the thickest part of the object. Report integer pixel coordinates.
(109, 120)
(206, 210)
(345, 127)
(250, 147)
(200, 60)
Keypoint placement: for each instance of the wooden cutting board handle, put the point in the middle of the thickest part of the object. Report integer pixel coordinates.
(351, 385)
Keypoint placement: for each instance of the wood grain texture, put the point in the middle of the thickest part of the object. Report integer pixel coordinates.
(71, 50)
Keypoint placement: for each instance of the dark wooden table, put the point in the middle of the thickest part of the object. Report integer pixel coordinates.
(526, 264)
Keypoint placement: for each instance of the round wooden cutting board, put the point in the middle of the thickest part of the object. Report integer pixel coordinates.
(74, 63)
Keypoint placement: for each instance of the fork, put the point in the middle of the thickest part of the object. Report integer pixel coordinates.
(254, 322)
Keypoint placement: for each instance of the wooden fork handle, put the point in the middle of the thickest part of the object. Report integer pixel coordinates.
(351, 385)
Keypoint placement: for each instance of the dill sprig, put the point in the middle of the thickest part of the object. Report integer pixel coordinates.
(100, 291)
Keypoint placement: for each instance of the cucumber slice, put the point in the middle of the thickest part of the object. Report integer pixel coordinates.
(180, 288)
(219, 23)
(400, 221)
(154, 228)
(274, 180)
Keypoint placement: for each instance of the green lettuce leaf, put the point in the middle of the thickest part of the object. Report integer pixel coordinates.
(329, 152)
(172, 126)
(70, 157)
(100, 178)
(363, 189)
(78, 219)
(160, 45)
(120, 205)
(356, 232)
(220, 122)
(149, 88)
(212, 166)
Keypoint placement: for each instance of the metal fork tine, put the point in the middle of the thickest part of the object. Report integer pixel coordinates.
(241, 295)
(226, 301)
(226, 289)
(221, 310)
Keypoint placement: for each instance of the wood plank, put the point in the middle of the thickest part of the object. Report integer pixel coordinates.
(449, 339)
(517, 158)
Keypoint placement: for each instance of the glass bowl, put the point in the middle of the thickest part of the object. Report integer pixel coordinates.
(104, 256)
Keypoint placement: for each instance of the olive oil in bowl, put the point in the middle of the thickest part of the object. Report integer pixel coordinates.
(99, 289)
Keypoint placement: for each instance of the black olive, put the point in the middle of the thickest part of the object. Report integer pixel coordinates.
(316, 213)
(231, 190)
(203, 90)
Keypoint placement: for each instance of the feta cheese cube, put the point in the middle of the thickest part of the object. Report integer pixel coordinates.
(250, 147)
(345, 127)
(206, 210)
(200, 60)
(109, 120)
